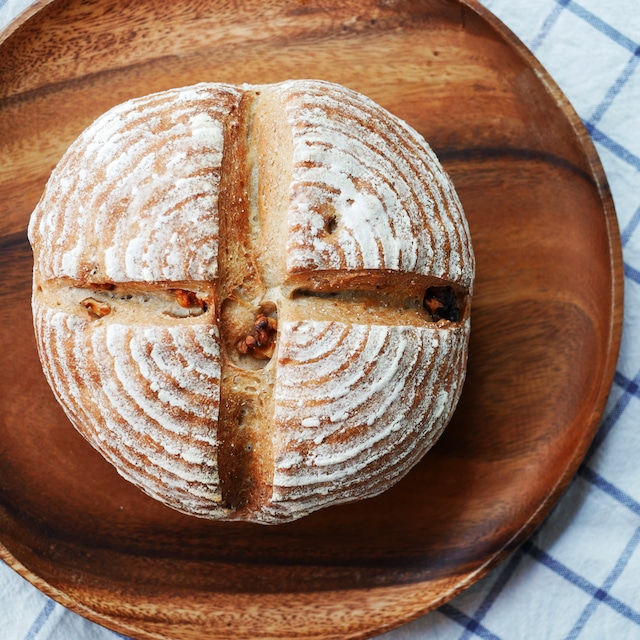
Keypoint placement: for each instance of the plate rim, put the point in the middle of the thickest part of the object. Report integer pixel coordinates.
(616, 270)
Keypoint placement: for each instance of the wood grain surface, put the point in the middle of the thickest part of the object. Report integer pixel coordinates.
(546, 320)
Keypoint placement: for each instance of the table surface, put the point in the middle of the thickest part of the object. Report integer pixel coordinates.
(576, 577)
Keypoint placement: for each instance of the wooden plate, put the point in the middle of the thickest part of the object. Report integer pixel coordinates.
(546, 320)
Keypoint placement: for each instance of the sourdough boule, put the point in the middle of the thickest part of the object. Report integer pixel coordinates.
(254, 301)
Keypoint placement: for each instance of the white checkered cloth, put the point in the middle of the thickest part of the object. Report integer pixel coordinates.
(579, 575)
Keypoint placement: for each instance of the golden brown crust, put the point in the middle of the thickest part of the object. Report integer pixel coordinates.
(254, 301)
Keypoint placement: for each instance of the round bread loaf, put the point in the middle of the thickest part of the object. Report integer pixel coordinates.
(253, 300)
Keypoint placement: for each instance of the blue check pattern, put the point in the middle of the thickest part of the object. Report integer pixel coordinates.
(578, 576)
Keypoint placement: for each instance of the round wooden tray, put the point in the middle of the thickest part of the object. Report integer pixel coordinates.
(546, 320)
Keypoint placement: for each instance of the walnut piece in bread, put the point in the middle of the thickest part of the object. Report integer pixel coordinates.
(254, 301)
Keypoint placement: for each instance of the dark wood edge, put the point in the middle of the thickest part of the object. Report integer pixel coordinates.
(22, 17)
